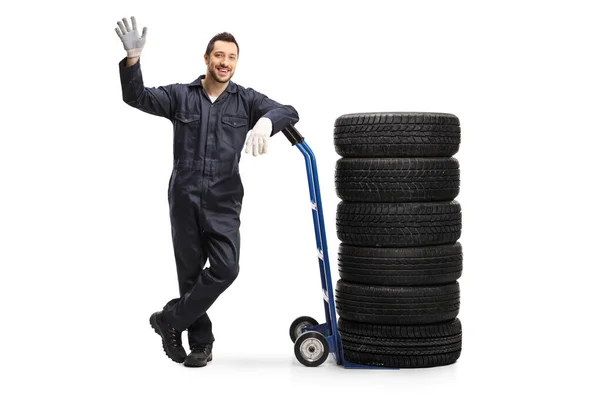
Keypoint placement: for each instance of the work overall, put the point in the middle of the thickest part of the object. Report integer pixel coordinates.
(205, 189)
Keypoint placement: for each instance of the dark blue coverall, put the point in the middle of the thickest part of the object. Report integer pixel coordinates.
(205, 189)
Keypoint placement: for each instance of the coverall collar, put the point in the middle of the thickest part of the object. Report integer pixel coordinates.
(231, 87)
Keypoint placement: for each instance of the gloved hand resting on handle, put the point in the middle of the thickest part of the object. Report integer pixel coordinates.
(258, 137)
(132, 42)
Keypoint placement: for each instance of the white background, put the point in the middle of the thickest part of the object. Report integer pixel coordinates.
(86, 250)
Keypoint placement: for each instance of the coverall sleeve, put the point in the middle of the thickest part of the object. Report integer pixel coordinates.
(153, 100)
(280, 115)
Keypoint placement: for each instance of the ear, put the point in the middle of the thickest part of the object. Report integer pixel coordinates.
(206, 59)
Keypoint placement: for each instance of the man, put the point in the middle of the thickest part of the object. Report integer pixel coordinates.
(211, 117)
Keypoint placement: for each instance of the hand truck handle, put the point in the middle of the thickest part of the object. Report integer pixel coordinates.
(292, 134)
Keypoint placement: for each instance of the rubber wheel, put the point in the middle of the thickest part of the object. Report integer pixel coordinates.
(298, 324)
(396, 134)
(409, 266)
(413, 346)
(397, 179)
(398, 224)
(311, 348)
(397, 305)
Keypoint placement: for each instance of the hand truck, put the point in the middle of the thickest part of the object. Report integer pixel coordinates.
(313, 341)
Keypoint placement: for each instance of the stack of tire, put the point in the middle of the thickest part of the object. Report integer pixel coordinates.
(398, 223)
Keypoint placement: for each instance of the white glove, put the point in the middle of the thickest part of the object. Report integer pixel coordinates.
(132, 41)
(258, 137)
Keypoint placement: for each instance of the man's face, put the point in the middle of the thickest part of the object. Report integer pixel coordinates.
(222, 61)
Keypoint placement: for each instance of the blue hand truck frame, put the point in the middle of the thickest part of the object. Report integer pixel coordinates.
(312, 341)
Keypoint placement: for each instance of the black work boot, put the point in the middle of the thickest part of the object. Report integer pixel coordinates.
(171, 338)
(200, 356)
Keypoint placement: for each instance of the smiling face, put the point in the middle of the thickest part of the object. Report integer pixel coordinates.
(221, 62)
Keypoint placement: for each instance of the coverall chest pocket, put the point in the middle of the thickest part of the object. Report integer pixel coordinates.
(235, 128)
(187, 130)
(186, 117)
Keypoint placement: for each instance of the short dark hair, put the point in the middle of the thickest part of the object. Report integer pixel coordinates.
(224, 36)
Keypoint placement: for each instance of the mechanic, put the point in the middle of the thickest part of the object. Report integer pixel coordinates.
(211, 118)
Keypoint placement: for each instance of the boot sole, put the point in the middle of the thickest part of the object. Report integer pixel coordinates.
(195, 364)
(154, 325)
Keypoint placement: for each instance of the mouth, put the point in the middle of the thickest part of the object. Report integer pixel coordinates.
(223, 71)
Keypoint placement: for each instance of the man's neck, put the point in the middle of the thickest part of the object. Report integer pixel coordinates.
(212, 87)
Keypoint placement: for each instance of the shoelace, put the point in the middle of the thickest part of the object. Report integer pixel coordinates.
(174, 337)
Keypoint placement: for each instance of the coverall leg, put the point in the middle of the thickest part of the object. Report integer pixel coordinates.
(200, 332)
(199, 233)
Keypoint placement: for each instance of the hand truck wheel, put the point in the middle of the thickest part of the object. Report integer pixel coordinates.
(298, 324)
(311, 348)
